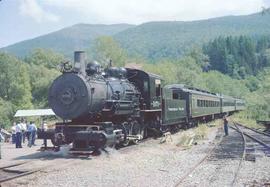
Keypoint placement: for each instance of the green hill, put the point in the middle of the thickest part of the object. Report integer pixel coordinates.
(77, 37)
(157, 40)
(153, 40)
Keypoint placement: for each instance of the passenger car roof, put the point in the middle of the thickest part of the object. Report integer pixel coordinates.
(190, 89)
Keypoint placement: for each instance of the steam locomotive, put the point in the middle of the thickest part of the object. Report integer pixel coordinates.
(116, 106)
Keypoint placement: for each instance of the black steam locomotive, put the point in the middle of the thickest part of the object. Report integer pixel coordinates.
(119, 105)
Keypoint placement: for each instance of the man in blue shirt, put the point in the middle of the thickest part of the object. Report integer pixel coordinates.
(32, 129)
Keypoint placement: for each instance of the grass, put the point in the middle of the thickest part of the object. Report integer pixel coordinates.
(201, 132)
(193, 136)
(184, 141)
(243, 119)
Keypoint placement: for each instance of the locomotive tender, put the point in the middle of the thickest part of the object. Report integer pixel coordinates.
(119, 105)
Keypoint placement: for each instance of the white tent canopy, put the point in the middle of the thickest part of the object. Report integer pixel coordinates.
(36, 112)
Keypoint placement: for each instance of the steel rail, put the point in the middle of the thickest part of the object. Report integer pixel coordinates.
(196, 165)
(255, 130)
(13, 165)
(255, 139)
(243, 155)
(18, 175)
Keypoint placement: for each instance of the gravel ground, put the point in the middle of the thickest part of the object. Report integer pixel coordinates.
(220, 168)
(221, 171)
(146, 164)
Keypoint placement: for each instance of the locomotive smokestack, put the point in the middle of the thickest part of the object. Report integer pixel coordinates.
(79, 61)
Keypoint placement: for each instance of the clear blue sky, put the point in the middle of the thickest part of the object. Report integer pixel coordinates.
(25, 19)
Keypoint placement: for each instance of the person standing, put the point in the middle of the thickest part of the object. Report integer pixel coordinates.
(226, 130)
(23, 125)
(32, 129)
(44, 128)
(18, 135)
(28, 132)
(13, 133)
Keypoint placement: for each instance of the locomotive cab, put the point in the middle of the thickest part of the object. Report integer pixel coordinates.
(150, 87)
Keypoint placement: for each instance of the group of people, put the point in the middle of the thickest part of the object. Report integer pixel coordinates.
(22, 131)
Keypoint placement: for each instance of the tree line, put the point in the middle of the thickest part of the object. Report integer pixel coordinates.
(24, 82)
(238, 57)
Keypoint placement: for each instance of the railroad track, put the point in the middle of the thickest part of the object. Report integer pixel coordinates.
(255, 141)
(255, 130)
(221, 151)
(242, 158)
(180, 181)
(14, 171)
(10, 172)
(262, 139)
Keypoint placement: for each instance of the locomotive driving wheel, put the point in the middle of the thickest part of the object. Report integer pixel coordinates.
(133, 132)
(125, 128)
(137, 130)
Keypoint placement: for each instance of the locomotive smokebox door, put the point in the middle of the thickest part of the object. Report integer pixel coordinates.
(69, 96)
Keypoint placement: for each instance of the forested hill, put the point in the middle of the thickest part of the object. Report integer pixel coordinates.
(153, 40)
(65, 41)
(157, 40)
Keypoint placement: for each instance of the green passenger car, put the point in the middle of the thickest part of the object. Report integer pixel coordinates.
(174, 106)
(184, 104)
(204, 104)
(228, 104)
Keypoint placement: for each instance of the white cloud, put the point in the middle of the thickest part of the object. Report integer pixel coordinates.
(32, 9)
(138, 11)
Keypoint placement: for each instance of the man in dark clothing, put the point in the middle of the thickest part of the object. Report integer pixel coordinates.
(18, 135)
(226, 130)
